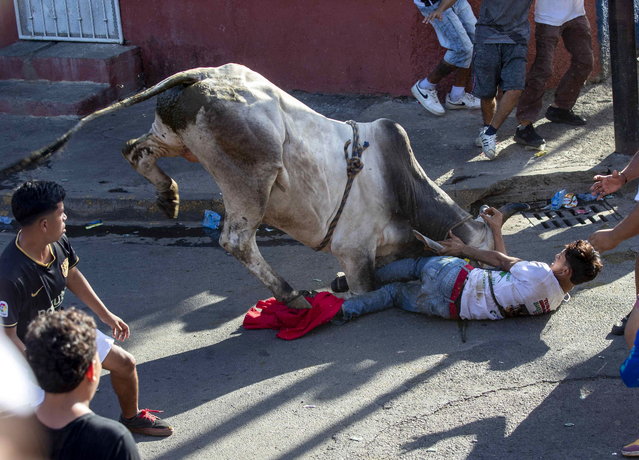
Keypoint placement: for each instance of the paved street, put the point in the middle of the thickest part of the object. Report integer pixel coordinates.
(389, 385)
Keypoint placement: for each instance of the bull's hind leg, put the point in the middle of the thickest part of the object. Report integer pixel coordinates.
(243, 214)
(142, 154)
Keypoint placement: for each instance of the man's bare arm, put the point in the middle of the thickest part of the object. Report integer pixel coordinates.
(606, 239)
(456, 247)
(78, 284)
(12, 333)
(495, 220)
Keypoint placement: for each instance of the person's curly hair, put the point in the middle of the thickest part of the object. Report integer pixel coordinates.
(34, 199)
(60, 347)
(583, 260)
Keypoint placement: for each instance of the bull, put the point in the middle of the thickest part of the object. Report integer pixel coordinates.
(278, 162)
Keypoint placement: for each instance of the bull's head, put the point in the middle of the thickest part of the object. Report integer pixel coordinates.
(482, 237)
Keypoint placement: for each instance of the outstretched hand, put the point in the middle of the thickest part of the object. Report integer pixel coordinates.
(453, 246)
(605, 185)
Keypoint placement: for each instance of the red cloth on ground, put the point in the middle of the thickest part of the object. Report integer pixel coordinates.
(292, 323)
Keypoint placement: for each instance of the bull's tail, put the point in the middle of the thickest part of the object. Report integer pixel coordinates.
(187, 77)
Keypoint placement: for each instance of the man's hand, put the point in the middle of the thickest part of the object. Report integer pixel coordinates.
(453, 246)
(605, 185)
(604, 240)
(437, 14)
(119, 328)
(493, 218)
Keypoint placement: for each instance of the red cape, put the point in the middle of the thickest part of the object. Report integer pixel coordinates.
(292, 323)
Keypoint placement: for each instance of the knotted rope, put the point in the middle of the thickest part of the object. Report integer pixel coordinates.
(353, 166)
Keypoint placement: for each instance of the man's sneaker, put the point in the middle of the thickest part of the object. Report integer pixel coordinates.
(147, 423)
(428, 99)
(339, 284)
(467, 101)
(569, 117)
(619, 328)
(478, 138)
(489, 145)
(528, 136)
(631, 450)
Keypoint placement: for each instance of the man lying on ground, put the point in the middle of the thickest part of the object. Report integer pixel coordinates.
(447, 286)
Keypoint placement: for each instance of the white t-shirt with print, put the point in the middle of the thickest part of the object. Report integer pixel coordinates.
(558, 12)
(529, 288)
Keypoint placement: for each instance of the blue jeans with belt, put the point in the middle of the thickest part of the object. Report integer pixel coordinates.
(422, 285)
(455, 31)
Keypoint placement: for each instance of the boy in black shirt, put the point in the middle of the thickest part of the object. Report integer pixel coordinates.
(35, 271)
(62, 351)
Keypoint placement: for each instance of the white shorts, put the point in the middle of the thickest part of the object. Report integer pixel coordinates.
(104, 344)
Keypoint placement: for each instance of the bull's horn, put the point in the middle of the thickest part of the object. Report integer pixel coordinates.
(511, 208)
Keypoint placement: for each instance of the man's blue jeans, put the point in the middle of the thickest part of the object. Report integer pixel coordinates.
(455, 31)
(421, 285)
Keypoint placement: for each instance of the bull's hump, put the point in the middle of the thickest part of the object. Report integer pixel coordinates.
(179, 107)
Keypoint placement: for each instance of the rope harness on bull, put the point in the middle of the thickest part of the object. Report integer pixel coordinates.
(353, 166)
(463, 221)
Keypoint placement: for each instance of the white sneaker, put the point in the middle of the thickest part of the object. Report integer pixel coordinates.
(428, 99)
(467, 101)
(478, 138)
(489, 145)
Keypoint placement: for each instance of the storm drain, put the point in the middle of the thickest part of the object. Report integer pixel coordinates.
(591, 213)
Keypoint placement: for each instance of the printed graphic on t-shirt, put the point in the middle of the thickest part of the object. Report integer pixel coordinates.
(65, 267)
(4, 309)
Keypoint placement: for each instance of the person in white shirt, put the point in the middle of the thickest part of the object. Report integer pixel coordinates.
(449, 287)
(554, 20)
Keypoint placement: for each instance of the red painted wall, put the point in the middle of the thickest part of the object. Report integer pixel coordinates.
(8, 29)
(333, 46)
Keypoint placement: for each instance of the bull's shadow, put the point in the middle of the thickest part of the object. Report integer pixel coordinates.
(332, 362)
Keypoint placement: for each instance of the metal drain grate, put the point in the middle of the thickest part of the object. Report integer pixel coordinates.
(590, 213)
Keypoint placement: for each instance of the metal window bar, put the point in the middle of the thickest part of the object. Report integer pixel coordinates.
(44, 20)
(66, 8)
(91, 16)
(65, 20)
(80, 18)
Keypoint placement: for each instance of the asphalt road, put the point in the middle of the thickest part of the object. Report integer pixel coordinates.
(389, 385)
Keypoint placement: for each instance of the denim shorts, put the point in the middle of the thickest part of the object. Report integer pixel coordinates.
(455, 31)
(498, 65)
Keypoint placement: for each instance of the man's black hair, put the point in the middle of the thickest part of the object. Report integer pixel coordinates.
(34, 199)
(60, 347)
(583, 260)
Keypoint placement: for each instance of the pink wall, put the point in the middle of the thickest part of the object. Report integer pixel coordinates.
(8, 30)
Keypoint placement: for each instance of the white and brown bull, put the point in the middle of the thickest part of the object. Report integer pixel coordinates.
(278, 162)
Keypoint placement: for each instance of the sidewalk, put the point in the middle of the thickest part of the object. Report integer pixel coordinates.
(101, 185)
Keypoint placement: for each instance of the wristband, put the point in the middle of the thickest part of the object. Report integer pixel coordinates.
(625, 179)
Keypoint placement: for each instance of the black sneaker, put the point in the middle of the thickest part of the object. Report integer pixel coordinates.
(620, 326)
(528, 136)
(147, 423)
(557, 115)
(339, 284)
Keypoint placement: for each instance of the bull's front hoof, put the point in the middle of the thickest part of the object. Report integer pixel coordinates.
(298, 302)
(169, 207)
